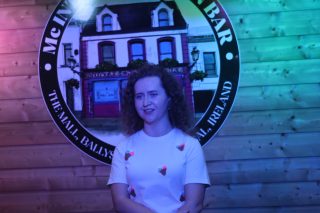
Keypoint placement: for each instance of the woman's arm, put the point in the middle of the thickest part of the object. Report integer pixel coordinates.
(122, 202)
(194, 195)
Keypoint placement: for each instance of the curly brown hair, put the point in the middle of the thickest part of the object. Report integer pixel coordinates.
(178, 110)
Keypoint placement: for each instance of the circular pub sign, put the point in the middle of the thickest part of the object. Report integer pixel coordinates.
(89, 48)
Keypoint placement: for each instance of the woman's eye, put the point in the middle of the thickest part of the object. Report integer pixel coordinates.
(153, 94)
(138, 97)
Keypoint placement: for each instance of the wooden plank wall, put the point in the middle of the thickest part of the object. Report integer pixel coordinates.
(266, 158)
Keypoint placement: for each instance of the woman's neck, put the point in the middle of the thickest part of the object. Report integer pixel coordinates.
(156, 130)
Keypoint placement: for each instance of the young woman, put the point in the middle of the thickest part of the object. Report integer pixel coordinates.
(158, 168)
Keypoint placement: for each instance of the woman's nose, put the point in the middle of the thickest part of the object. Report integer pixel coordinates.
(146, 101)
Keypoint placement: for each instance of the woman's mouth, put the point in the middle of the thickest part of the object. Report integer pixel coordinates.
(148, 110)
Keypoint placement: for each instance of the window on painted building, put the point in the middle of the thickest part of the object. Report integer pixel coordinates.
(163, 18)
(209, 60)
(136, 50)
(108, 53)
(67, 48)
(166, 49)
(107, 23)
(106, 91)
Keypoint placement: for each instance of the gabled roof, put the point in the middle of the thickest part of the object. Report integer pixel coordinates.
(134, 18)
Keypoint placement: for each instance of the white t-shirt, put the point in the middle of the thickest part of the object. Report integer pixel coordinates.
(157, 168)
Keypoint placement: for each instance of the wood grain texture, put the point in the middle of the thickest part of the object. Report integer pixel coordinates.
(30, 133)
(280, 48)
(69, 201)
(257, 122)
(20, 87)
(264, 146)
(98, 170)
(5, 3)
(22, 110)
(44, 156)
(278, 97)
(21, 40)
(57, 178)
(276, 24)
(263, 194)
(266, 6)
(282, 209)
(265, 158)
(265, 171)
(19, 64)
(292, 72)
(14, 89)
(270, 122)
(17, 3)
(47, 2)
(24, 17)
(52, 183)
(252, 50)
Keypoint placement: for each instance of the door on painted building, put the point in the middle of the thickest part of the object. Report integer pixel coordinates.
(70, 97)
(106, 99)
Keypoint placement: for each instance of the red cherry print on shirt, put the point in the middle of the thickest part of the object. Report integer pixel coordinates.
(163, 170)
(181, 147)
(132, 192)
(128, 155)
(182, 198)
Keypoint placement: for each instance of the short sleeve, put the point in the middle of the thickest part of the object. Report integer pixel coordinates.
(196, 169)
(118, 167)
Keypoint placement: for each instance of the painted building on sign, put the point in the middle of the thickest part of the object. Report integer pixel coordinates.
(105, 49)
(118, 35)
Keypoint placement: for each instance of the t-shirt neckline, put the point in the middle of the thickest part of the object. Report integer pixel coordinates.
(156, 138)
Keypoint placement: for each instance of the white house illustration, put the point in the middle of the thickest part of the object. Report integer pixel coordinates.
(118, 35)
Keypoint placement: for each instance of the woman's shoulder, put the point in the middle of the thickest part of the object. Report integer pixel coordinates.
(187, 138)
(127, 139)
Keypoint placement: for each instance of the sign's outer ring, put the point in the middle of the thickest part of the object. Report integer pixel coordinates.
(206, 127)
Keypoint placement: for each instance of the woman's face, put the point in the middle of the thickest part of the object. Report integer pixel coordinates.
(151, 100)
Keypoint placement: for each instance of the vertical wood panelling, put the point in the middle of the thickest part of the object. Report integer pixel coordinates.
(266, 157)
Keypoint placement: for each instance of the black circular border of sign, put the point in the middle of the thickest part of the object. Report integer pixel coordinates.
(206, 127)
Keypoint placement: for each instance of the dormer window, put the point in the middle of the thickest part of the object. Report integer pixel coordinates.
(107, 23)
(163, 17)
